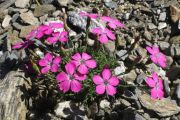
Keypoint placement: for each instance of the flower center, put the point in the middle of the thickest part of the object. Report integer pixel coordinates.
(82, 61)
(105, 82)
(71, 77)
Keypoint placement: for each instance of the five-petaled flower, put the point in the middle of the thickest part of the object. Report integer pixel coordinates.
(156, 56)
(70, 80)
(49, 63)
(156, 86)
(104, 34)
(58, 36)
(90, 15)
(106, 82)
(83, 62)
(112, 22)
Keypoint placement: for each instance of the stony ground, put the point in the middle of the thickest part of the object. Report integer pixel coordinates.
(148, 22)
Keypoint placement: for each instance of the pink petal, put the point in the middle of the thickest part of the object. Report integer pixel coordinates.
(119, 23)
(112, 25)
(83, 69)
(85, 56)
(103, 38)
(157, 93)
(155, 77)
(61, 77)
(54, 68)
(83, 13)
(48, 31)
(111, 90)
(56, 25)
(45, 70)
(76, 56)
(57, 60)
(90, 63)
(48, 57)
(63, 39)
(100, 89)
(106, 74)
(114, 81)
(98, 80)
(43, 62)
(56, 34)
(155, 50)
(70, 68)
(150, 82)
(162, 61)
(76, 86)
(106, 18)
(52, 40)
(96, 30)
(160, 84)
(150, 50)
(110, 34)
(39, 35)
(154, 59)
(93, 16)
(76, 63)
(65, 85)
(80, 77)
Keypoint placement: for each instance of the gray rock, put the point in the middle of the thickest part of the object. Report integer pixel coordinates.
(126, 16)
(130, 77)
(179, 25)
(21, 3)
(125, 103)
(64, 2)
(70, 110)
(163, 108)
(162, 25)
(110, 48)
(166, 87)
(163, 45)
(111, 4)
(122, 54)
(147, 35)
(141, 78)
(6, 21)
(26, 29)
(47, 1)
(1, 53)
(151, 26)
(29, 18)
(107, 0)
(43, 9)
(139, 117)
(17, 25)
(162, 16)
(178, 92)
(175, 40)
(169, 60)
(90, 42)
(15, 17)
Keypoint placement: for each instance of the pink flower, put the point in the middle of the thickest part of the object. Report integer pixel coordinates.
(58, 36)
(83, 62)
(157, 86)
(92, 16)
(156, 56)
(49, 63)
(106, 82)
(70, 80)
(104, 34)
(112, 22)
(49, 29)
(37, 33)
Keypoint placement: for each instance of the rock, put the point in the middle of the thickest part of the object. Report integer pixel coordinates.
(104, 104)
(69, 110)
(43, 9)
(169, 60)
(178, 92)
(125, 103)
(141, 78)
(11, 95)
(13, 37)
(110, 47)
(147, 35)
(21, 3)
(29, 18)
(12, 10)
(166, 87)
(15, 17)
(122, 54)
(175, 40)
(26, 29)
(90, 42)
(164, 107)
(46, 1)
(139, 117)
(162, 16)
(130, 77)
(111, 4)
(6, 21)
(163, 45)
(57, 13)
(151, 26)
(17, 25)
(126, 16)
(174, 13)
(64, 2)
(162, 25)
(120, 69)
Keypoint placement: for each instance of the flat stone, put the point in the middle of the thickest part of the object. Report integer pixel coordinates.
(120, 69)
(104, 104)
(13, 36)
(164, 107)
(6, 21)
(29, 18)
(64, 2)
(151, 26)
(21, 3)
(162, 16)
(43, 9)
(26, 29)
(111, 4)
(175, 40)
(162, 25)
(130, 77)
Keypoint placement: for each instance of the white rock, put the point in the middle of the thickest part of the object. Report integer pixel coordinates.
(104, 104)
(179, 25)
(120, 69)
(6, 21)
(21, 3)
(29, 18)
(162, 25)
